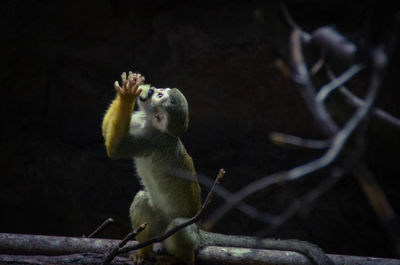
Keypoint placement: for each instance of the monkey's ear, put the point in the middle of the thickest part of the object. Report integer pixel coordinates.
(160, 121)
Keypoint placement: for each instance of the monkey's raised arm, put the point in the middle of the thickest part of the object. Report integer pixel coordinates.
(116, 122)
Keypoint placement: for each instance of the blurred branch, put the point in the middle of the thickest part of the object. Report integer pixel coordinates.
(339, 140)
(303, 202)
(301, 77)
(334, 47)
(357, 102)
(379, 202)
(338, 81)
(292, 140)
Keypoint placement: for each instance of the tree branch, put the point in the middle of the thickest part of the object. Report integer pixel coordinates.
(101, 227)
(292, 140)
(337, 82)
(228, 255)
(207, 255)
(357, 102)
(340, 137)
(52, 245)
(301, 77)
(113, 252)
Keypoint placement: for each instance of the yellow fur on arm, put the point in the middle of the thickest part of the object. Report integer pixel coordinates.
(116, 122)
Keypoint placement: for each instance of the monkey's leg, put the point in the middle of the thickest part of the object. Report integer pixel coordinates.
(183, 243)
(141, 211)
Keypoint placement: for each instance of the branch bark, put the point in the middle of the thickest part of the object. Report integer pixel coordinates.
(87, 258)
(53, 245)
(227, 255)
(207, 255)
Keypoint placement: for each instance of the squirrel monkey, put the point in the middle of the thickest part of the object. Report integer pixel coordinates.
(151, 136)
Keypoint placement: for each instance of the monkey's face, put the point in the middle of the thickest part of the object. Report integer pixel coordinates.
(153, 98)
(167, 108)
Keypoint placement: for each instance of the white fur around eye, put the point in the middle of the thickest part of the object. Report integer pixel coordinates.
(160, 121)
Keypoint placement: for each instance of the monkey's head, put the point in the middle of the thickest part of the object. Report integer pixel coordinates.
(167, 108)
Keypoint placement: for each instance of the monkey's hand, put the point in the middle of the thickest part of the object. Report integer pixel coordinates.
(116, 121)
(128, 91)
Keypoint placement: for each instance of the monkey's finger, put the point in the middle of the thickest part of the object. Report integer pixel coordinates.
(128, 86)
(123, 79)
(131, 76)
(137, 93)
(139, 77)
(116, 86)
(134, 87)
(140, 80)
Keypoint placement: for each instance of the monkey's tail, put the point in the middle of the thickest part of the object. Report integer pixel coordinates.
(311, 251)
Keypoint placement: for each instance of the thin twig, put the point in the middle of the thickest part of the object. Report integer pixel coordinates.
(287, 15)
(220, 191)
(338, 81)
(318, 65)
(301, 77)
(379, 202)
(101, 227)
(190, 221)
(357, 102)
(292, 140)
(113, 252)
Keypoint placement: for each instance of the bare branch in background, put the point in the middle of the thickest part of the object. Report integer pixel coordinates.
(324, 91)
(292, 140)
(301, 77)
(338, 142)
(357, 102)
(379, 202)
(332, 47)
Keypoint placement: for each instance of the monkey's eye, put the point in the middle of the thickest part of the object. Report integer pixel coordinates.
(159, 95)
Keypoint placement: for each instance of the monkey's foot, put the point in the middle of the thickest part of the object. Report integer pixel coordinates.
(137, 259)
(140, 260)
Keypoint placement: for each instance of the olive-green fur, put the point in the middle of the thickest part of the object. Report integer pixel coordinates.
(178, 112)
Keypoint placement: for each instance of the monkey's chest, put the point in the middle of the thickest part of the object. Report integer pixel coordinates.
(151, 176)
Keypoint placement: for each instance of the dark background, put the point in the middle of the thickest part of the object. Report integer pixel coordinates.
(58, 62)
